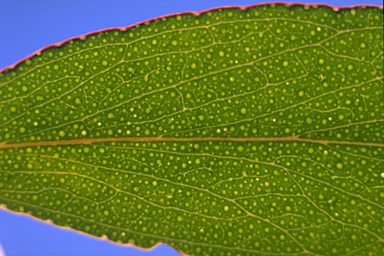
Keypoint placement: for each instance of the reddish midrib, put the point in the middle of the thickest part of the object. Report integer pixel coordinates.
(165, 139)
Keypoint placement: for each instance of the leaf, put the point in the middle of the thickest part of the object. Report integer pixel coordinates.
(249, 132)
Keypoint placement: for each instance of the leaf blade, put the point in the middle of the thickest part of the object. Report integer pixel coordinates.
(194, 138)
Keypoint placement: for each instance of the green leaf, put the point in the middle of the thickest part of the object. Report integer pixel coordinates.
(242, 132)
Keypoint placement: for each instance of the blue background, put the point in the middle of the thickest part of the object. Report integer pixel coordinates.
(27, 26)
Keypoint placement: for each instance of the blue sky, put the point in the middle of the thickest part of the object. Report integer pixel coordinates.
(27, 26)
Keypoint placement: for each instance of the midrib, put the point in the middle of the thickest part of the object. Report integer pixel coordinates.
(165, 139)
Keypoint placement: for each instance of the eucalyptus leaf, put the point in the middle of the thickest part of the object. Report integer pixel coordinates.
(251, 131)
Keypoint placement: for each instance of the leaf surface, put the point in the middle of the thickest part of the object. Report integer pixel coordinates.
(250, 132)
